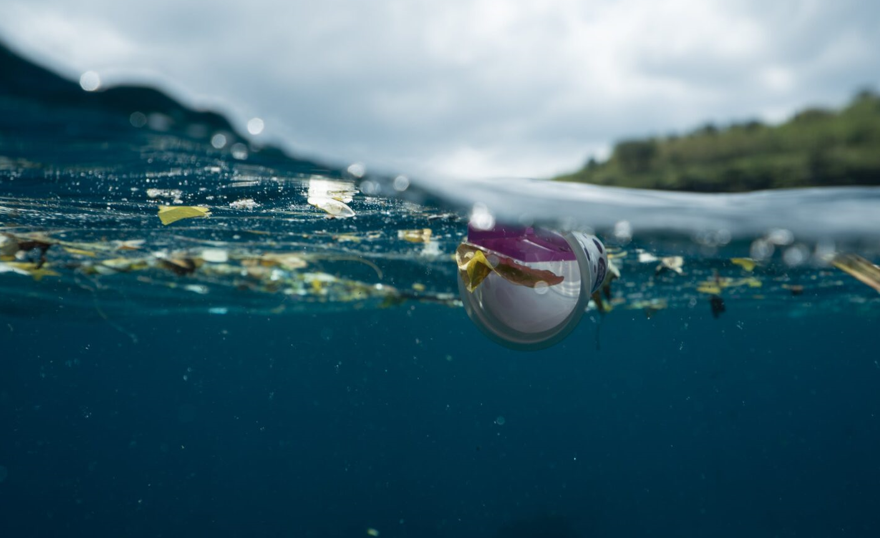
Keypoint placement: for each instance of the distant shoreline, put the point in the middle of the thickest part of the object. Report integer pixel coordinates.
(817, 147)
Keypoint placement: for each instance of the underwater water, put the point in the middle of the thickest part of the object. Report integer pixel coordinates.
(291, 358)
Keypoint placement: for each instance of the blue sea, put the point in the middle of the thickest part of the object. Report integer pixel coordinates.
(203, 336)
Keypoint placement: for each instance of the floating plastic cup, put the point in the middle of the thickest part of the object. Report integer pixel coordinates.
(538, 284)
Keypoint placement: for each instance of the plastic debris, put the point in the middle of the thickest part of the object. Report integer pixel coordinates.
(716, 303)
(650, 307)
(415, 236)
(714, 287)
(795, 289)
(747, 264)
(36, 270)
(604, 290)
(11, 268)
(858, 268)
(244, 204)
(672, 263)
(8, 245)
(132, 244)
(334, 208)
(171, 214)
(172, 194)
(79, 252)
(331, 196)
(474, 267)
(215, 255)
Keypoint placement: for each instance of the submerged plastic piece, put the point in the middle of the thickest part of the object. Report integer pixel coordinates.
(170, 214)
(36, 270)
(79, 252)
(859, 268)
(746, 263)
(714, 287)
(525, 244)
(527, 288)
(474, 267)
(672, 263)
(8, 245)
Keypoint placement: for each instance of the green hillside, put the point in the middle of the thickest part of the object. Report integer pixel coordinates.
(817, 147)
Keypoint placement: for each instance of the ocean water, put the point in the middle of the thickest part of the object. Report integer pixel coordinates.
(298, 363)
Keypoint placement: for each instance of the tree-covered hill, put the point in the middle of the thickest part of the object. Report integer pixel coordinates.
(817, 147)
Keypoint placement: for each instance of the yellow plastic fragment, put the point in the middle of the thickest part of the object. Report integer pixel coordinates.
(474, 267)
(858, 268)
(714, 287)
(347, 238)
(32, 269)
(79, 252)
(415, 236)
(169, 214)
(711, 289)
(746, 263)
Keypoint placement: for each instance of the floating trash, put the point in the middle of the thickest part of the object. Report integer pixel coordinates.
(171, 214)
(859, 268)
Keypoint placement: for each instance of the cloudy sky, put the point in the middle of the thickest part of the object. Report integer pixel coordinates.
(468, 88)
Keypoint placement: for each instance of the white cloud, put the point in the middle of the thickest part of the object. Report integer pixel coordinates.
(467, 87)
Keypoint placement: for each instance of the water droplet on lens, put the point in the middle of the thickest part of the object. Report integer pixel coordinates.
(401, 183)
(541, 287)
(357, 170)
(481, 218)
(369, 188)
(255, 126)
(90, 81)
(795, 255)
(780, 236)
(500, 421)
(761, 249)
(239, 151)
(623, 231)
(138, 119)
(218, 141)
